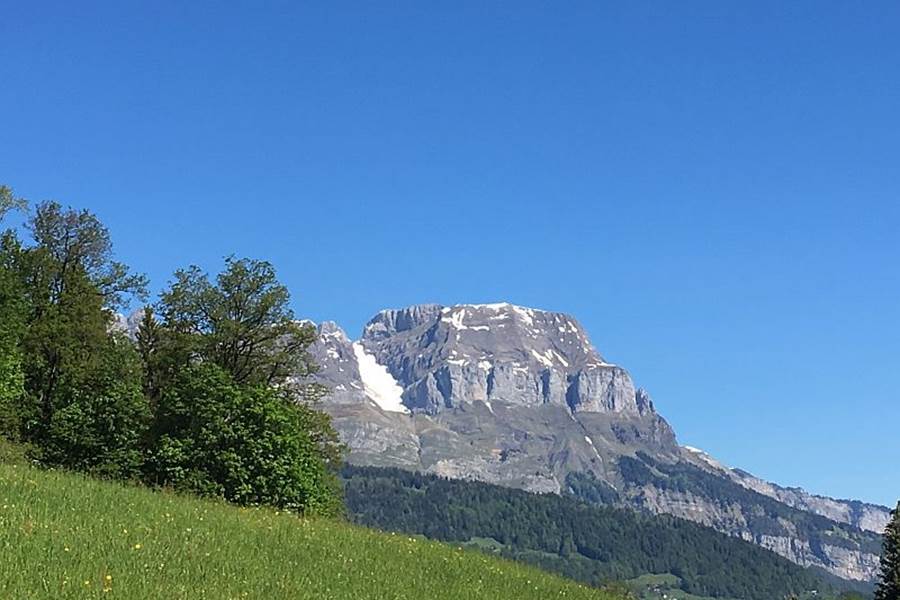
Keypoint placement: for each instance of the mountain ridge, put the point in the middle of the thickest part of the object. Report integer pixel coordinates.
(868, 516)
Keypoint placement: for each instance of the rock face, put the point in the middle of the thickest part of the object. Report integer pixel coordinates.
(520, 397)
(862, 515)
(127, 324)
(868, 517)
(453, 356)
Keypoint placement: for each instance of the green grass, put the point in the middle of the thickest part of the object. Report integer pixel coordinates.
(66, 536)
(657, 587)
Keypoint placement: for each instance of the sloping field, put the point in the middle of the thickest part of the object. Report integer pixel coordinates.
(66, 536)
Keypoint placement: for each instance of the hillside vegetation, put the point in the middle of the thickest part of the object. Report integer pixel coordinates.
(67, 536)
(588, 543)
(204, 391)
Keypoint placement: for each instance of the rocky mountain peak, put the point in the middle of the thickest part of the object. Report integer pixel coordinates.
(429, 358)
(393, 321)
(526, 336)
(128, 324)
(330, 329)
(447, 356)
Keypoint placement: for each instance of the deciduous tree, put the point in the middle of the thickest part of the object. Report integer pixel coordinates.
(242, 322)
(12, 323)
(83, 406)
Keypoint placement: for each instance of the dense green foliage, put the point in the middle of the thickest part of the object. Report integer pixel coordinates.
(82, 406)
(212, 400)
(889, 584)
(588, 543)
(12, 326)
(225, 371)
(64, 537)
(245, 444)
(241, 323)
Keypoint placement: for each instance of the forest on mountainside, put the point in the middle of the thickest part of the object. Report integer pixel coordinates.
(592, 544)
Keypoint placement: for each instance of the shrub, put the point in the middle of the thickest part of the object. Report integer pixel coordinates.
(248, 444)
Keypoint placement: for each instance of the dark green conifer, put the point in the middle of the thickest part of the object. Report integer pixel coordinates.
(889, 586)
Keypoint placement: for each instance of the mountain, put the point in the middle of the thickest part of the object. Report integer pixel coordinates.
(470, 374)
(520, 397)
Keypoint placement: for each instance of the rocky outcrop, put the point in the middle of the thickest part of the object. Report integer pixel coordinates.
(520, 397)
(866, 516)
(127, 324)
(862, 515)
(449, 356)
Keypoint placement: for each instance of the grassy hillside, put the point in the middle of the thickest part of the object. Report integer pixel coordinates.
(65, 536)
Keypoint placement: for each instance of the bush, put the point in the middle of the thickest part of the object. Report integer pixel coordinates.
(13, 453)
(248, 444)
(101, 418)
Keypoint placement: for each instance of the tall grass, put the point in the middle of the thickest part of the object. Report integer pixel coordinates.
(66, 536)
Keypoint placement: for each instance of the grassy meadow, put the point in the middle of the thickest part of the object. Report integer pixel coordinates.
(67, 536)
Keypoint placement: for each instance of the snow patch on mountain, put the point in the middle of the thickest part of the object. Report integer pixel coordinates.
(456, 316)
(492, 306)
(541, 358)
(379, 385)
(526, 314)
(702, 455)
(593, 447)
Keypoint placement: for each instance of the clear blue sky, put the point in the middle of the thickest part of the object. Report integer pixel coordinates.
(712, 188)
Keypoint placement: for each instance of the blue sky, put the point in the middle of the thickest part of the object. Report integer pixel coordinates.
(712, 188)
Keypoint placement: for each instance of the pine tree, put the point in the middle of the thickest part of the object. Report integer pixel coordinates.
(889, 586)
(147, 342)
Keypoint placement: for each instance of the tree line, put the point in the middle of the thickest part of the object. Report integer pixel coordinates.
(211, 394)
(589, 543)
